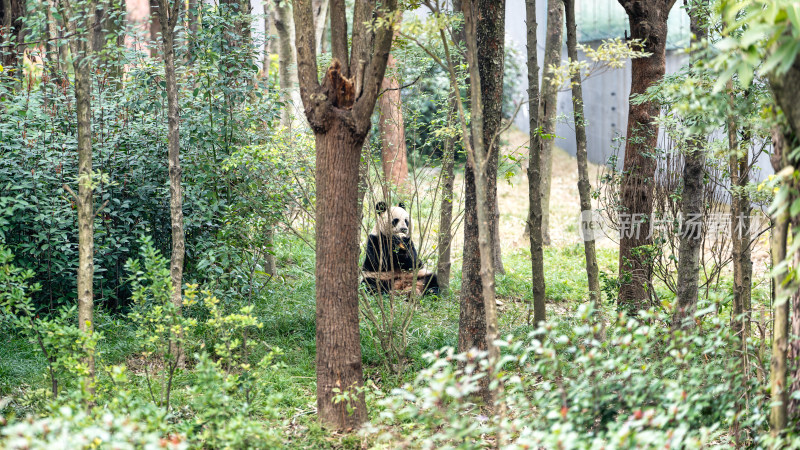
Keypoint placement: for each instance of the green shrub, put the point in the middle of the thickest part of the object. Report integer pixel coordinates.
(642, 387)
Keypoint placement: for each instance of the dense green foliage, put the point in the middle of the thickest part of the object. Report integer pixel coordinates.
(248, 329)
(224, 107)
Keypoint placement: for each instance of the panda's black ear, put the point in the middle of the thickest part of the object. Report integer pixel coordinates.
(380, 207)
(402, 205)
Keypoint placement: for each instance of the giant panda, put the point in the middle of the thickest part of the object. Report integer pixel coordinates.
(391, 262)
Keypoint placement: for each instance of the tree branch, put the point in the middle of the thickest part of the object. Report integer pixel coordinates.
(362, 36)
(339, 35)
(362, 110)
(306, 54)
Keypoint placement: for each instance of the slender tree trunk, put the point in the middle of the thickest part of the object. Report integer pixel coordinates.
(155, 28)
(584, 187)
(339, 111)
(56, 49)
(490, 34)
(535, 170)
(394, 154)
(648, 22)
(740, 233)
(780, 332)
(780, 394)
(284, 25)
(491, 63)
(787, 96)
(691, 239)
(168, 18)
(479, 158)
(193, 16)
(82, 66)
(446, 210)
(83, 93)
(548, 105)
(321, 10)
(268, 19)
(12, 13)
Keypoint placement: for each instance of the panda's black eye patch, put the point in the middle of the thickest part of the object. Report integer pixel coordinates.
(406, 222)
(394, 222)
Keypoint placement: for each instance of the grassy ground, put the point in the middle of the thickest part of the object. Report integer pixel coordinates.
(286, 308)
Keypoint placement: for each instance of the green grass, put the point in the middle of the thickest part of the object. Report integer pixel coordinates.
(286, 307)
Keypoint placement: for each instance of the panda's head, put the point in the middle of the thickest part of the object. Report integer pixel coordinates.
(392, 221)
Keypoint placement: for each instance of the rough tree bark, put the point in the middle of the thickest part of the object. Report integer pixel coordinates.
(479, 159)
(535, 170)
(485, 37)
(548, 105)
(394, 154)
(491, 63)
(691, 239)
(584, 187)
(648, 22)
(168, 15)
(490, 34)
(80, 47)
(339, 111)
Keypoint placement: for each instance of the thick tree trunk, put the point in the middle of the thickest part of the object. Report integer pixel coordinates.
(446, 210)
(337, 232)
(168, 18)
(648, 22)
(490, 44)
(584, 187)
(691, 239)
(394, 154)
(284, 25)
(339, 112)
(548, 105)
(535, 170)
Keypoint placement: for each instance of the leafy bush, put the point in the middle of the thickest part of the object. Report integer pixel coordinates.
(559, 387)
(71, 429)
(222, 108)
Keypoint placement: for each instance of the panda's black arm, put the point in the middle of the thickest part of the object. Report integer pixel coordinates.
(378, 253)
(407, 259)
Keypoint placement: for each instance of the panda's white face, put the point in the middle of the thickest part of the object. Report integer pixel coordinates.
(393, 221)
